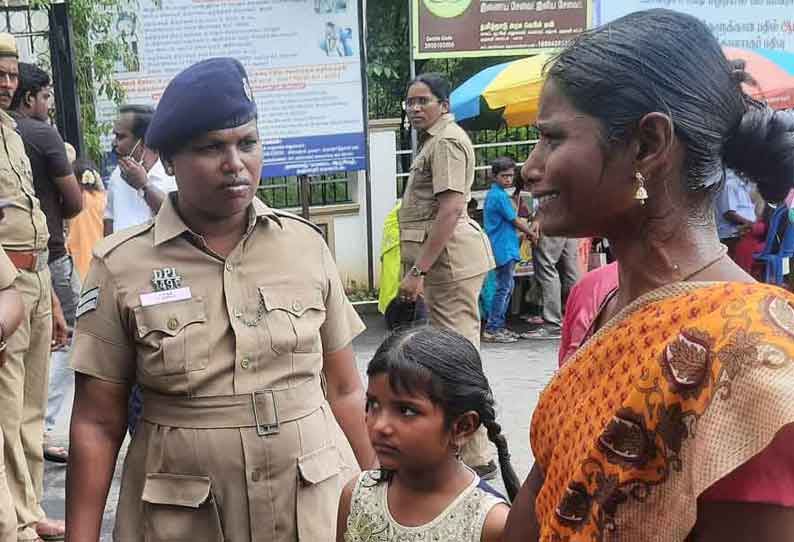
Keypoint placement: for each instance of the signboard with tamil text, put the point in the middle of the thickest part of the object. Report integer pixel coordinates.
(471, 28)
(303, 59)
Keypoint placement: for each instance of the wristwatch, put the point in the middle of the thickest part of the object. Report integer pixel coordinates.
(416, 272)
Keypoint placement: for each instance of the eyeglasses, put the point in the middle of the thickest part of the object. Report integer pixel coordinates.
(421, 101)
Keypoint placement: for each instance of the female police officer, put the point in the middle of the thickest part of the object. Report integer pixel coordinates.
(226, 313)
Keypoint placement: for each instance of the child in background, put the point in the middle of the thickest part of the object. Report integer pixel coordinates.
(426, 396)
(502, 224)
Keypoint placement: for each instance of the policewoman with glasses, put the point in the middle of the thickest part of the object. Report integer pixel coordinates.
(227, 314)
(445, 254)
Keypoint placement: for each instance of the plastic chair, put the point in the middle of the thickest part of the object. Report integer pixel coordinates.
(773, 259)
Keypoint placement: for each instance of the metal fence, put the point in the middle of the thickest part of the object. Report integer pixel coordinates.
(31, 27)
(488, 145)
(285, 192)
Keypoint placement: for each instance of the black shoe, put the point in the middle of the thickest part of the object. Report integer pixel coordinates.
(486, 472)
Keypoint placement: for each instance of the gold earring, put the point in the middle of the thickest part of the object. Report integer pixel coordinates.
(456, 450)
(641, 194)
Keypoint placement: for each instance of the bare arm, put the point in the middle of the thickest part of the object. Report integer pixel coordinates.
(344, 510)
(522, 523)
(71, 195)
(493, 529)
(450, 207)
(99, 422)
(154, 198)
(743, 522)
(346, 397)
(521, 225)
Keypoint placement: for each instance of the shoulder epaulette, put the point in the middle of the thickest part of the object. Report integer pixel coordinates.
(286, 214)
(109, 243)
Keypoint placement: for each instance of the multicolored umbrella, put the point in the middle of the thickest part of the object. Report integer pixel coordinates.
(772, 70)
(504, 94)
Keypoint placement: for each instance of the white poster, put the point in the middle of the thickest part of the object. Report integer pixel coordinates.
(303, 60)
(744, 24)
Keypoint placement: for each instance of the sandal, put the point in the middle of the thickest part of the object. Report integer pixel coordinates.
(56, 454)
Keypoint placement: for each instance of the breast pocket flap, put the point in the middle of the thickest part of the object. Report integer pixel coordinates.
(169, 318)
(295, 301)
(176, 489)
(320, 465)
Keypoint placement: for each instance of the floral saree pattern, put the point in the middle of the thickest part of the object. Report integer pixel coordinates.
(678, 390)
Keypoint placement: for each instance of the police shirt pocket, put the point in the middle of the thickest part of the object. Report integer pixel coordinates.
(172, 337)
(180, 507)
(294, 317)
(318, 494)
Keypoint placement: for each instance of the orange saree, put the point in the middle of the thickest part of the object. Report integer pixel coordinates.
(678, 390)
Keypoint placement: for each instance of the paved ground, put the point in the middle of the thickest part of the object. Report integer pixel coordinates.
(517, 372)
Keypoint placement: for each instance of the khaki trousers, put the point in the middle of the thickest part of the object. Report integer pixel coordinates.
(8, 519)
(455, 306)
(23, 400)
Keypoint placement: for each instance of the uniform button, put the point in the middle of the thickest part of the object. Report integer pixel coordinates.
(245, 363)
(296, 305)
(238, 313)
(229, 266)
(256, 475)
(173, 323)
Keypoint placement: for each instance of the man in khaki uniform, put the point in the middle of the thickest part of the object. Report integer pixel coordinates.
(445, 254)
(229, 315)
(24, 378)
(11, 313)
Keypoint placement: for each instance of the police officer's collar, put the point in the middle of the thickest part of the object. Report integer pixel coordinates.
(169, 225)
(440, 124)
(7, 119)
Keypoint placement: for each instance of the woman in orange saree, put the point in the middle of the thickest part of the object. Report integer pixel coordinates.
(689, 376)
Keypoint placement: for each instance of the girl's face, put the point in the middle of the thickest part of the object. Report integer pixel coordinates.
(407, 431)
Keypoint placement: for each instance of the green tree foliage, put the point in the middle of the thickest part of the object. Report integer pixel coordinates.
(97, 49)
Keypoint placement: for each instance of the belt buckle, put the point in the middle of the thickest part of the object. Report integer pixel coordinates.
(265, 429)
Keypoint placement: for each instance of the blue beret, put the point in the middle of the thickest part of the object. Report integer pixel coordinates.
(213, 94)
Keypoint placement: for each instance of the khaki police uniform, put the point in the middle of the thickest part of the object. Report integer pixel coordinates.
(236, 441)
(24, 378)
(8, 518)
(445, 161)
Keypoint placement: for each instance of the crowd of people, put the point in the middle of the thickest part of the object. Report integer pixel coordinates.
(217, 333)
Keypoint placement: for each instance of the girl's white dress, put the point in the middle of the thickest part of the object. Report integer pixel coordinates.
(370, 520)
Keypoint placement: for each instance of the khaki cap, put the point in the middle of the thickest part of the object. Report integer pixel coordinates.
(8, 45)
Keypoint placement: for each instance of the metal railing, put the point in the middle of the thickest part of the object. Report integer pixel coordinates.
(285, 192)
(488, 145)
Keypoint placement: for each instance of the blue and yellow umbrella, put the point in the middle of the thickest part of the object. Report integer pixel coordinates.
(504, 94)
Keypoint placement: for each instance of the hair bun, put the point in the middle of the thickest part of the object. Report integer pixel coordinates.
(762, 150)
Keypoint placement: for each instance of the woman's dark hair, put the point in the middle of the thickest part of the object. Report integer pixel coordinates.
(518, 181)
(32, 80)
(668, 62)
(446, 367)
(80, 166)
(502, 163)
(436, 82)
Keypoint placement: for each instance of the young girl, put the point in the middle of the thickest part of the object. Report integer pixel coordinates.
(427, 394)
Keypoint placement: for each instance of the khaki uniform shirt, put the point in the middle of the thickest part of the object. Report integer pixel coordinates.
(445, 161)
(199, 334)
(24, 227)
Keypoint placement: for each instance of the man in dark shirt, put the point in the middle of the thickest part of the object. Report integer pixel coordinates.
(61, 198)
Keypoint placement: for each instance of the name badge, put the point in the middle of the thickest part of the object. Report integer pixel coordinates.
(165, 296)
